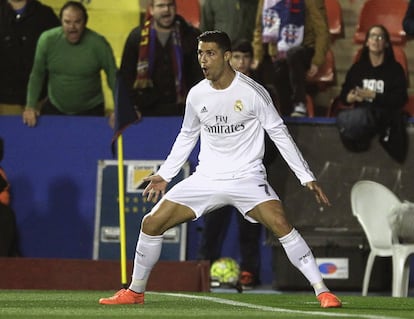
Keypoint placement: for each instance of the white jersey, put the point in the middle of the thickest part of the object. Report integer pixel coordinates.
(230, 125)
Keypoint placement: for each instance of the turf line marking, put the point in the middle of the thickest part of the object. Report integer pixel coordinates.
(273, 309)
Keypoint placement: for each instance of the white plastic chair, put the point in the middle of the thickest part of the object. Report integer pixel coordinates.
(372, 204)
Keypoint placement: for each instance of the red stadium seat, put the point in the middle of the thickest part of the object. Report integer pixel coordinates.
(386, 12)
(310, 108)
(335, 21)
(190, 11)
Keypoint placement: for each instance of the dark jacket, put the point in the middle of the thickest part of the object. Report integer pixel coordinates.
(18, 38)
(161, 100)
(390, 82)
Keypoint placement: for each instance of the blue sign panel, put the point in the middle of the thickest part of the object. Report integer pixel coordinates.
(107, 231)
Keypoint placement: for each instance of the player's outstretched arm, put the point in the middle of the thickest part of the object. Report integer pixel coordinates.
(155, 188)
(321, 197)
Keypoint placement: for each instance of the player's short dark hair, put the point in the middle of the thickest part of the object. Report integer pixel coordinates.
(216, 36)
(242, 45)
(77, 5)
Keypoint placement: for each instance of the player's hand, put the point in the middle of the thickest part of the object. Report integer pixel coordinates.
(30, 116)
(155, 188)
(321, 197)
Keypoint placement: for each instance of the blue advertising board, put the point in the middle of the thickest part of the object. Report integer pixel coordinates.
(107, 231)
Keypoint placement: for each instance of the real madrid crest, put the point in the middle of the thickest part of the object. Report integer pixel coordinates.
(238, 106)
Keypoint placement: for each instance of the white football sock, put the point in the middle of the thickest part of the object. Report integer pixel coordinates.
(146, 255)
(302, 258)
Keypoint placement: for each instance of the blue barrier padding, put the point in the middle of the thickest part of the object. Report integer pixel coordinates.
(53, 169)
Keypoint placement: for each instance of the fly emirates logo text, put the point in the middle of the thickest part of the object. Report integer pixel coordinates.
(223, 127)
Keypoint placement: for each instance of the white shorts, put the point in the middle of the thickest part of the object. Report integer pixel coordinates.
(203, 195)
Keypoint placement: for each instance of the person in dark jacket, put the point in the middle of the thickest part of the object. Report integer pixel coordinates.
(376, 83)
(21, 23)
(163, 50)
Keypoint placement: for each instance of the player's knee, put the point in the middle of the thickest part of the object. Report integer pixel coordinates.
(150, 226)
(280, 225)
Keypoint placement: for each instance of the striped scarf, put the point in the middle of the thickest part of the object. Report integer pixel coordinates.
(146, 57)
(283, 23)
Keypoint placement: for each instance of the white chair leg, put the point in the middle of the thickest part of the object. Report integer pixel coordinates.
(400, 274)
(367, 275)
(396, 277)
(405, 278)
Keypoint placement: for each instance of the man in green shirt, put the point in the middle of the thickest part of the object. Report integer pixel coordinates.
(71, 58)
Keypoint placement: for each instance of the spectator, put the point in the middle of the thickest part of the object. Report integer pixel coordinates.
(163, 50)
(376, 86)
(295, 40)
(8, 230)
(21, 23)
(217, 222)
(242, 58)
(408, 21)
(71, 57)
(235, 17)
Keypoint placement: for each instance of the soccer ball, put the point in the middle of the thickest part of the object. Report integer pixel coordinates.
(225, 271)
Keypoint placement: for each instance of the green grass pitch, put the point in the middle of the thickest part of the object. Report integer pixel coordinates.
(45, 304)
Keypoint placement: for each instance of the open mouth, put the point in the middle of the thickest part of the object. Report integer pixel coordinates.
(167, 17)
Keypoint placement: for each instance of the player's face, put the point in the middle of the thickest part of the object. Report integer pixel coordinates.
(241, 61)
(163, 12)
(212, 60)
(73, 23)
